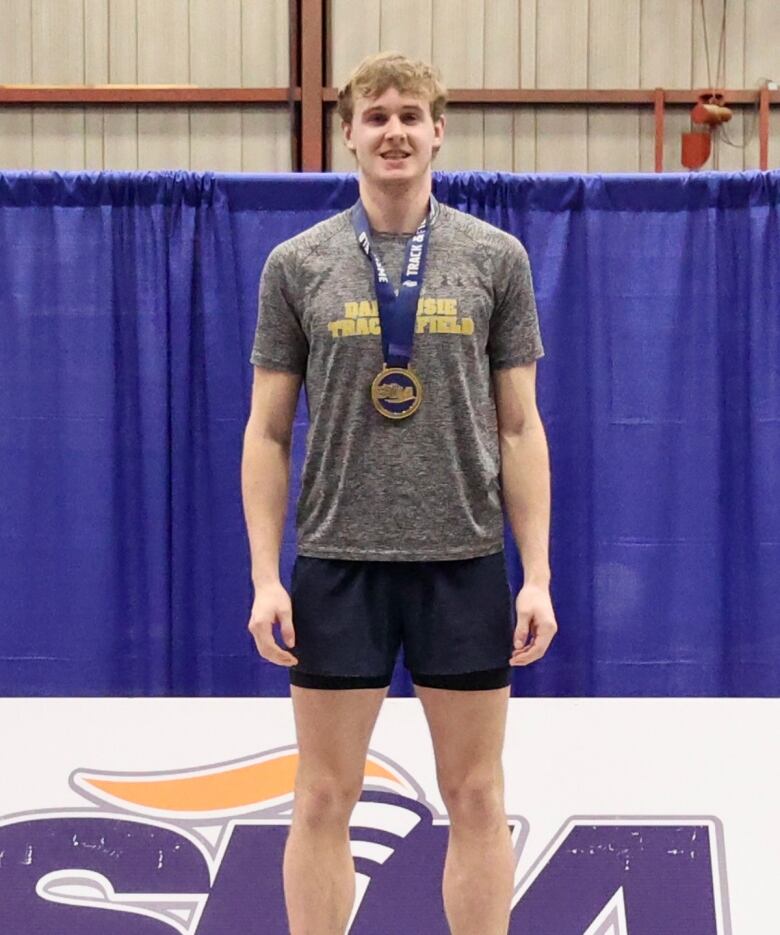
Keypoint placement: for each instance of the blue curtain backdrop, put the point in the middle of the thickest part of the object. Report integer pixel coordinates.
(127, 310)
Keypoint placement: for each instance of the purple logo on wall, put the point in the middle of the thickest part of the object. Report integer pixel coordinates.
(199, 852)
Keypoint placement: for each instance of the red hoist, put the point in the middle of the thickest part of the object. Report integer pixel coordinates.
(710, 112)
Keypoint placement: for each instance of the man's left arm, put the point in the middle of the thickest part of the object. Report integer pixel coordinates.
(525, 482)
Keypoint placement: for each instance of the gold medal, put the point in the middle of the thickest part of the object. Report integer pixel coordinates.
(396, 392)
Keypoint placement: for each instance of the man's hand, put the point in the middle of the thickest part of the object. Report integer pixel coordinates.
(272, 604)
(535, 615)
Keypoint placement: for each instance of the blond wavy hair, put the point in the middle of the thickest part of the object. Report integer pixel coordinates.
(376, 73)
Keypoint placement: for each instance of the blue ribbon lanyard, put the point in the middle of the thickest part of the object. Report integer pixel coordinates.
(397, 308)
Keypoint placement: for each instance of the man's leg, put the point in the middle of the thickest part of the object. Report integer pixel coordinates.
(467, 729)
(333, 728)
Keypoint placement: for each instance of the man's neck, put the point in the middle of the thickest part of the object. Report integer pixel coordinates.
(395, 211)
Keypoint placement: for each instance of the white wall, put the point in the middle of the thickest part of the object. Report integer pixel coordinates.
(227, 43)
(476, 43)
(570, 44)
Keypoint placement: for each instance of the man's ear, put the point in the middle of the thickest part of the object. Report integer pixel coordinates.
(438, 129)
(346, 132)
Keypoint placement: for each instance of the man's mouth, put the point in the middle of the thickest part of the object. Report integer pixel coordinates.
(394, 156)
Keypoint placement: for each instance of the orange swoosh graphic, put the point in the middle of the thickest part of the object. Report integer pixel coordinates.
(217, 789)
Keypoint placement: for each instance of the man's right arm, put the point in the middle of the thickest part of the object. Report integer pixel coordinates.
(265, 470)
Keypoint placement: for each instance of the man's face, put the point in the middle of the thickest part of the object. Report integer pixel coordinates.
(393, 136)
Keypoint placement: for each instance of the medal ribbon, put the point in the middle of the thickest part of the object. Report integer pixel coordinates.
(397, 307)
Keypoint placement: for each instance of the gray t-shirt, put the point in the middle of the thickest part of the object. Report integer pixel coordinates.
(426, 487)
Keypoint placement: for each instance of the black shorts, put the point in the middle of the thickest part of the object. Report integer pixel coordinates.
(453, 619)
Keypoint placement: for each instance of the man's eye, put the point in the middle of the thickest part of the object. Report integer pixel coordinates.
(410, 118)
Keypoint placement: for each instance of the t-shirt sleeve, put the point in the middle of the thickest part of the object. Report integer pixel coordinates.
(514, 337)
(280, 342)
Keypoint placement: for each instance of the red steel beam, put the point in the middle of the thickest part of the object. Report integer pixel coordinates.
(731, 96)
(312, 77)
(294, 81)
(141, 94)
(193, 94)
(763, 129)
(564, 96)
(660, 114)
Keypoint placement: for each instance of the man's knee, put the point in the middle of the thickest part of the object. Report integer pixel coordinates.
(325, 800)
(473, 799)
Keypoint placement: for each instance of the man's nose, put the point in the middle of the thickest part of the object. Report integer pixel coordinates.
(395, 127)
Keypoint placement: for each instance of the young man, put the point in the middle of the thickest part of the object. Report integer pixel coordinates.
(415, 328)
